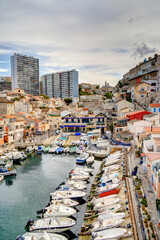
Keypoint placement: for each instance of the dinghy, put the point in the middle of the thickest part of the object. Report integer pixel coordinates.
(58, 211)
(109, 234)
(106, 202)
(68, 194)
(41, 236)
(103, 224)
(111, 208)
(52, 225)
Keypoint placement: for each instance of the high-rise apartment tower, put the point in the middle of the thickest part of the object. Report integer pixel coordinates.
(25, 73)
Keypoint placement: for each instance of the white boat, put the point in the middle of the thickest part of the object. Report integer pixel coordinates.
(66, 202)
(82, 169)
(97, 200)
(41, 236)
(35, 148)
(68, 194)
(111, 162)
(82, 158)
(111, 208)
(107, 188)
(59, 211)
(52, 225)
(67, 150)
(79, 177)
(90, 160)
(111, 168)
(112, 233)
(111, 215)
(1, 178)
(29, 149)
(106, 202)
(101, 154)
(103, 224)
(79, 171)
(74, 186)
(52, 149)
(72, 182)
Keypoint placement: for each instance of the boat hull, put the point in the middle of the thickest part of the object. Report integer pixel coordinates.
(115, 191)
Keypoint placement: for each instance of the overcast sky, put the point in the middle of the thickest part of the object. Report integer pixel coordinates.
(102, 39)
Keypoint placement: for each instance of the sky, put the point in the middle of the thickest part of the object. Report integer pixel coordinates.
(101, 39)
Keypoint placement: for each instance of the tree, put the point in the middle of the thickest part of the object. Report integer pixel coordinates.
(45, 97)
(108, 95)
(111, 127)
(68, 100)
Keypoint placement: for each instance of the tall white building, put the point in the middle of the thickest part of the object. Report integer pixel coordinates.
(25, 73)
(61, 84)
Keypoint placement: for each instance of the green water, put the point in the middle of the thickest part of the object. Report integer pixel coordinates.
(23, 195)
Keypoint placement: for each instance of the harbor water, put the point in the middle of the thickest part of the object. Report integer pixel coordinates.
(23, 195)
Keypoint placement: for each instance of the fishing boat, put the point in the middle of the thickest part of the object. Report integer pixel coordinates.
(106, 202)
(115, 191)
(46, 149)
(90, 160)
(103, 224)
(59, 150)
(110, 215)
(52, 225)
(57, 211)
(1, 178)
(41, 236)
(111, 208)
(73, 194)
(107, 188)
(40, 150)
(52, 149)
(112, 233)
(82, 158)
(66, 202)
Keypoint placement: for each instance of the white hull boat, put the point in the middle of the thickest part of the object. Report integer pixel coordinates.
(99, 200)
(83, 169)
(52, 149)
(1, 178)
(106, 202)
(101, 224)
(109, 234)
(39, 236)
(107, 188)
(68, 194)
(52, 225)
(66, 202)
(110, 215)
(75, 186)
(59, 211)
(101, 154)
(79, 177)
(8, 173)
(111, 168)
(90, 160)
(82, 158)
(111, 162)
(111, 208)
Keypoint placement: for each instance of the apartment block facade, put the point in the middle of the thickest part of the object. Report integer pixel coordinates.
(146, 71)
(25, 73)
(61, 84)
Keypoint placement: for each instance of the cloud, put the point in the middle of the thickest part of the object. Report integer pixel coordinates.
(142, 49)
(3, 70)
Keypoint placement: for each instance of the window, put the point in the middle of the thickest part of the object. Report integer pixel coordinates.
(159, 109)
(154, 109)
(142, 95)
(148, 88)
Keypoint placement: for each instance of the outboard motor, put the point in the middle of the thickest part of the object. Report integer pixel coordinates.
(29, 223)
(19, 237)
(42, 211)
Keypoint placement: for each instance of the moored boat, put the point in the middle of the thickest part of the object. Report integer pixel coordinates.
(73, 194)
(66, 202)
(103, 224)
(106, 202)
(57, 211)
(112, 233)
(111, 208)
(115, 191)
(82, 158)
(52, 225)
(107, 188)
(39, 236)
(1, 178)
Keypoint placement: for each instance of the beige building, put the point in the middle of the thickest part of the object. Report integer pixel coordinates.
(140, 90)
(6, 106)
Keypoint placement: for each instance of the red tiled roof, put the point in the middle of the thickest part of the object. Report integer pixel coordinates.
(154, 104)
(143, 154)
(132, 113)
(153, 156)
